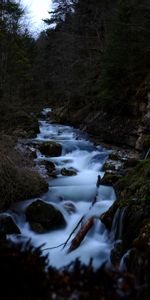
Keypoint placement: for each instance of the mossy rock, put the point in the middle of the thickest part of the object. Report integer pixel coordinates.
(50, 148)
(44, 217)
(7, 225)
(68, 172)
(114, 156)
(108, 166)
(109, 179)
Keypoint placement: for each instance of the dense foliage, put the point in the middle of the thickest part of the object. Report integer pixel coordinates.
(97, 52)
(93, 52)
(17, 51)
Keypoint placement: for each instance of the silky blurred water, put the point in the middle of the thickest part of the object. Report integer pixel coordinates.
(80, 190)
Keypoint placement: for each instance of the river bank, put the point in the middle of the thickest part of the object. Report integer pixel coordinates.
(130, 130)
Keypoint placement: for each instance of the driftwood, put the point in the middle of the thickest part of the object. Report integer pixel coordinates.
(97, 185)
(66, 242)
(81, 234)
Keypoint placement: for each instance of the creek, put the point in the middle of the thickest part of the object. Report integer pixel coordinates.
(79, 154)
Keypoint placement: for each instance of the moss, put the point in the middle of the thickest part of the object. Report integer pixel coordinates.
(136, 184)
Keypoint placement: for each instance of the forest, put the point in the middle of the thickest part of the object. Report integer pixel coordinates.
(92, 66)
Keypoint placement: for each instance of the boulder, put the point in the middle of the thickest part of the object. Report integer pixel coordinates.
(7, 225)
(50, 148)
(50, 168)
(68, 172)
(44, 217)
(107, 217)
(69, 206)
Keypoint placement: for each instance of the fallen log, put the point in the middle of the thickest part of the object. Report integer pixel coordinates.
(66, 242)
(81, 234)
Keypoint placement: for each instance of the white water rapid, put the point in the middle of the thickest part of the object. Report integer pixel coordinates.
(80, 154)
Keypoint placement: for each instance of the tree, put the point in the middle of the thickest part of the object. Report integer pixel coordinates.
(126, 58)
(74, 48)
(15, 56)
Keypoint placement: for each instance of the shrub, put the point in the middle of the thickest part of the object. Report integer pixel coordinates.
(18, 178)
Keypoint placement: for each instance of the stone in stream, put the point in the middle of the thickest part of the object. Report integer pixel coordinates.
(7, 225)
(44, 217)
(69, 207)
(50, 168)
(68, 172)
(50, 148)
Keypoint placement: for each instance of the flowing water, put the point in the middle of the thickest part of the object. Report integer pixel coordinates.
(80, 154)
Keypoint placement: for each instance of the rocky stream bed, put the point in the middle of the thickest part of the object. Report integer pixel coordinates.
(79, 218)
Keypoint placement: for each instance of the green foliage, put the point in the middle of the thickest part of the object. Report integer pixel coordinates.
(137, 183)
(126, 57)
(98, 53)
(17, 50)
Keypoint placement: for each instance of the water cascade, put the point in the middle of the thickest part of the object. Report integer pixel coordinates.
(117, 225)
(78, 154)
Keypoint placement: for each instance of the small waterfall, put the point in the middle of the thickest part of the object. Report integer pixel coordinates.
(117, 226)
(122, 266)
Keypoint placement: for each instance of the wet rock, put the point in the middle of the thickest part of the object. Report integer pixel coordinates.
(50, 167)
(114, 156)
(110, 178)
(109, 166)
(7, 225)
(69, 206)
(68, 172)
(67, 161)
(44, 217)
(107, 217)
(50, 148)
(31, 152)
